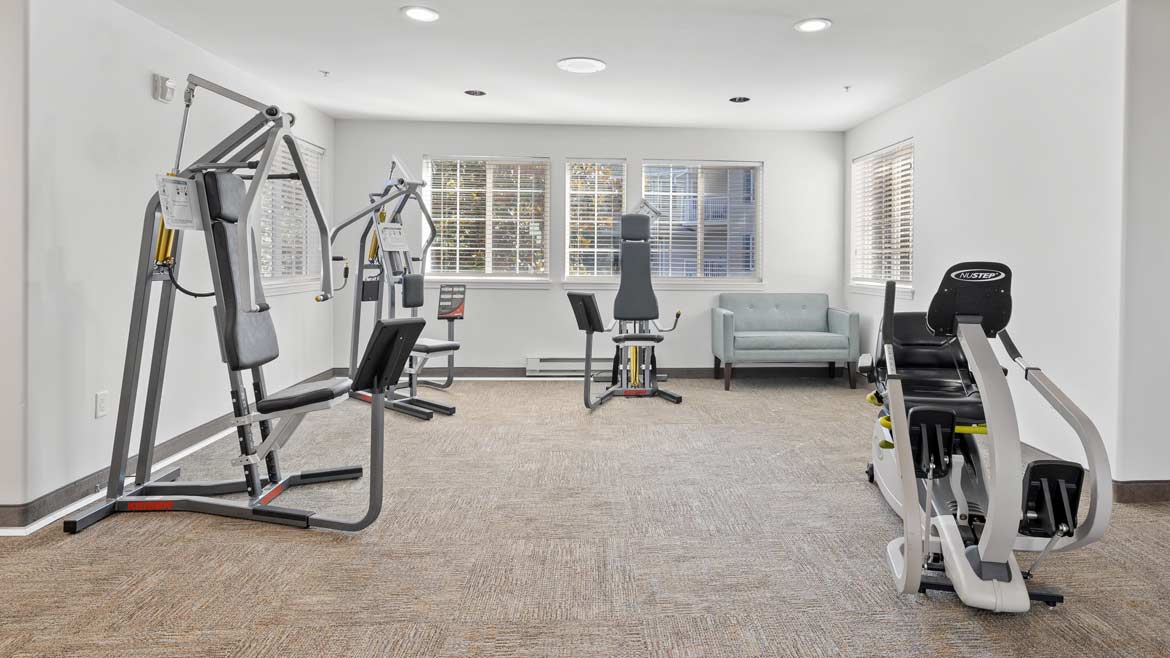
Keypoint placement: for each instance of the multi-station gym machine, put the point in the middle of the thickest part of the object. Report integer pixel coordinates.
(386, 269)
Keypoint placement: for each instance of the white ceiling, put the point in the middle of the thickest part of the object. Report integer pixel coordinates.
(671, 62)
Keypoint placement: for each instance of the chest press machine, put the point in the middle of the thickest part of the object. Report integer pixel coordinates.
(385, 266)
(635, 312)
(209, 196)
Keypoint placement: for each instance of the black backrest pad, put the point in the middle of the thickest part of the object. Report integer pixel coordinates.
(635, 297)
(249, 338)
(585, 311)
(916, 347)
(412, 290)
(975, 290)
(636, 227)
(386, 353)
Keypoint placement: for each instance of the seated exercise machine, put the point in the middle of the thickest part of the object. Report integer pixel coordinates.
(208, 196)
(635, 312)
(947, 450)
(385, 266)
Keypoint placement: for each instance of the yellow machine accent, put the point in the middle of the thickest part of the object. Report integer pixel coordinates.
(959, 429)
(373, 255)
(872, 399)
(635, 371)
(164, 249)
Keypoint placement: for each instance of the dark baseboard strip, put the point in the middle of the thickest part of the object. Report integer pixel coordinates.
(681, 373)
(1141, 491)
(19, 516)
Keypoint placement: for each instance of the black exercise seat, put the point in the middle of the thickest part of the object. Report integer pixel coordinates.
(302, 395)
(431, 346)
(626, 338)
(933, 369)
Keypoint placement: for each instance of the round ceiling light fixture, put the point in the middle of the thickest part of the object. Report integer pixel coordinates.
(475, 92)
(581, 65)
(739, 99)
(810, 25)
(420, 14)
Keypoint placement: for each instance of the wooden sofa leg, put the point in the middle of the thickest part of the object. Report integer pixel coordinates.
(716, 367)
(727, 376)
(851, 368)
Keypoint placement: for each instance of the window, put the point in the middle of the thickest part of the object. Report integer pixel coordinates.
(288, 243)
(883, 216)
(596, 196)
(710, 219)
(491, 216)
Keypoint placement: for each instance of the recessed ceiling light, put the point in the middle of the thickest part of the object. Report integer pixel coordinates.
(739, 99)
(420, 14)
(813, 25)
(581, 65)
(475, 92)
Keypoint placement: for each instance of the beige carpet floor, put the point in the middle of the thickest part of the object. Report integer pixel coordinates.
(735, 525)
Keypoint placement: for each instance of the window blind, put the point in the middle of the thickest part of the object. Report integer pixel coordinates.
(594, 209)
(491, 215)
(883, 216)
(288, 244)
(710, 219)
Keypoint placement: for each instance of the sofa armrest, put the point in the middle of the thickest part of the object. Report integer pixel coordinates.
(848, 324)
(723, 334)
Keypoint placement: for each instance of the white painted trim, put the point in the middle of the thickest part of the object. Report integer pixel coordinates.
(878, 289)
(697, 283)
(88, 500)
(490, 283)
(292, 286)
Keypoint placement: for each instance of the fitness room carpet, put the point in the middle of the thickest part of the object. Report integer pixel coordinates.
(734, 525)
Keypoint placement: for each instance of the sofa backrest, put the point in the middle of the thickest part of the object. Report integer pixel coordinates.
(777, 311)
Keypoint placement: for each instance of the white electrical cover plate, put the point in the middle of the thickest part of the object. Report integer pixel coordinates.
(180, 203)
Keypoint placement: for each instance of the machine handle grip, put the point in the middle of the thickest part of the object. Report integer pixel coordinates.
(888, 309)
(1010, 346)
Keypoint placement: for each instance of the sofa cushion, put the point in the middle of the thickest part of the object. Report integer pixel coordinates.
(777, 311)
(789, 340)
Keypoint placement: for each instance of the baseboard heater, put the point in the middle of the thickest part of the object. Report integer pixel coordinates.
(554, 366)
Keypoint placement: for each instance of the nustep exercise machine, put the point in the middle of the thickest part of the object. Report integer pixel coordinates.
(947, 450)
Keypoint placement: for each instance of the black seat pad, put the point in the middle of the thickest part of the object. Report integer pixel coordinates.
(430, 346)
(939, 392)
(625, 338)
(304, 394)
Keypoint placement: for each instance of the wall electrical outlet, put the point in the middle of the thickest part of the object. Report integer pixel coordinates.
(101, 404)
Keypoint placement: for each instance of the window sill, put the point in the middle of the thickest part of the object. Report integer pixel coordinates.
(293, 287)
(586, 283)
(879, 290)
(489, 283)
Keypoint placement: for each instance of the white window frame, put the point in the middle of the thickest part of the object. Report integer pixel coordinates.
(904, 289)
(278, 285)
(567, 275)
(492, 279)
(756, 280)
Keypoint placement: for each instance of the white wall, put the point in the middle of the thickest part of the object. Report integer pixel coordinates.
(1145, 453)
(801, 195)
(13, 156)
(96, 141)
(1020, 162)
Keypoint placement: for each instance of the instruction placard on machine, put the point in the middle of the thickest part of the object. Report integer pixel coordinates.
(452, 297)
(392, 237)
(180, 203)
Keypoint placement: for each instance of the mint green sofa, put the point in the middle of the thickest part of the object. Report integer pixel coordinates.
(783, 328)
